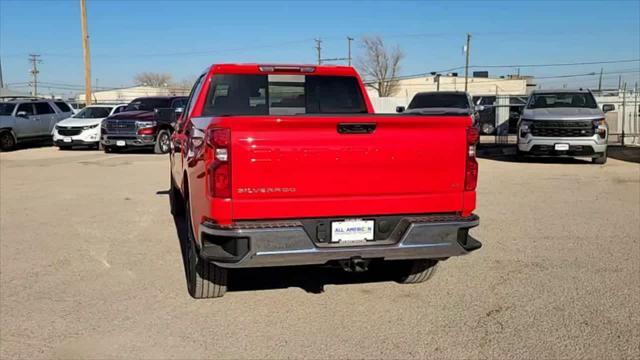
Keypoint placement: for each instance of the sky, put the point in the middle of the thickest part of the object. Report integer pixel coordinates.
(183, 37)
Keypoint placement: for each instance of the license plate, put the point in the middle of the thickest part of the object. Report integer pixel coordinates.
(352, 230)
(561, 147)
(67, 139)
(121, 143)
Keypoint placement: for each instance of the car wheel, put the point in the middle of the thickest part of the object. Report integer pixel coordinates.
(7, 141)
(487, 128)
(600, 160)
(204, 279)
(416, 271)
(64, 148)
(109, 149)
(162, 142)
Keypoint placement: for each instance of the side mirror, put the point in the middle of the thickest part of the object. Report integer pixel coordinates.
(608, 107)
(22, 114)
(400, 109)
(480, 108)
(179, 110)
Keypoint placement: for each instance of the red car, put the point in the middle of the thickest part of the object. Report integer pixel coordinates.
(278, 165)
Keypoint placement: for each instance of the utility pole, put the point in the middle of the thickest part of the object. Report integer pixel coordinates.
(619, 82)
(624, 110)
(466, 64)
(636, 109)
(600, 81)
(1, 82)
(35, 60)
(349, 40)
(319, 49)
(85, 53)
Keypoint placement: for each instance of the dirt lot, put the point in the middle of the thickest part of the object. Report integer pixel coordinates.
(91, 267)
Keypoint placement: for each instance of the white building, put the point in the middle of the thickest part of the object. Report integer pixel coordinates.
(125, 95)
(477, 86)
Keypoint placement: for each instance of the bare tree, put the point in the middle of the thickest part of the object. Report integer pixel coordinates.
(184, 84)
(152, 79)
(380, 66)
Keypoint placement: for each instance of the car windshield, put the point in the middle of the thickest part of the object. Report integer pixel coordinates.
(439, 100)
(149, 104)
(93, 113)
(231, 94)
(562, 100)
(6, 108)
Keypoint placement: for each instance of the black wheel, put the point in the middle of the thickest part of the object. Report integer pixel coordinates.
(64, 148)
(162, 142)
(175, 199)
(110, 149)
(416, 271)
(204, 279)
(7, 141)
(600, 160)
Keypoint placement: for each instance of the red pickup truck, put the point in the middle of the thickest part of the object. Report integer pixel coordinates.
(276, 165)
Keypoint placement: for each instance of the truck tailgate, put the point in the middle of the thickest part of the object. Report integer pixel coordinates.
(302, 166)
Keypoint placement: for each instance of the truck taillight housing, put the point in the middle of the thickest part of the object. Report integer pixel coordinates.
(471, 168)
(218, 140)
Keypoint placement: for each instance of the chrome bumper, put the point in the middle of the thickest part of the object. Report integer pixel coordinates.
(286, 243)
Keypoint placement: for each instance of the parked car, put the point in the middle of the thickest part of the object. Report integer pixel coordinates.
(139, 126)
(563, 123)
(443, 102)
(28, 119)
(288, 165)
(84, 127)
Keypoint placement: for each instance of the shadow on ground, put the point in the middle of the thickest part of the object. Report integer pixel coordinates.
(507, 153)
(625, 153)
(311, 279)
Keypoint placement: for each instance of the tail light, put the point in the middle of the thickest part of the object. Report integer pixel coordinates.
(471, 168)
(218, 140)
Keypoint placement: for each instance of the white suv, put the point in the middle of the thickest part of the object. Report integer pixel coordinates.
(83, 128)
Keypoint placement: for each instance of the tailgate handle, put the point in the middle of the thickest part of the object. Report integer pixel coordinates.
(356, 128)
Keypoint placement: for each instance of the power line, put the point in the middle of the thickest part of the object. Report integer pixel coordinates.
(558, 64)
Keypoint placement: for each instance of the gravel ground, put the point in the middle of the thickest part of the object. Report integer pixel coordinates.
(90, 266)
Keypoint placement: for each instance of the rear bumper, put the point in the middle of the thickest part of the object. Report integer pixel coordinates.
(287, 243)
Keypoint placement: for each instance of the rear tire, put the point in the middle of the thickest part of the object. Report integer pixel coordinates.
(7, 141)
(417, 271)
(204, 279)
(162, 142)
(600, 160)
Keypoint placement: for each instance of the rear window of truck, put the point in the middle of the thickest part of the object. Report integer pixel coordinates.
(243, 94)
(439, 100)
